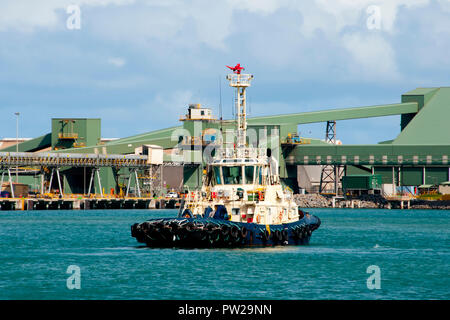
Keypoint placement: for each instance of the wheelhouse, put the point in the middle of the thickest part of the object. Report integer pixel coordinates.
(238, 172)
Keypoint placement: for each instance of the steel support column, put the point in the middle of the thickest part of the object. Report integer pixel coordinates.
(59, 181)
(331, 174)
(51, 180)
(133, 172)
(10, 183)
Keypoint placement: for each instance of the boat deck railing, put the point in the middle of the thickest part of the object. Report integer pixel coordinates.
(239, 80)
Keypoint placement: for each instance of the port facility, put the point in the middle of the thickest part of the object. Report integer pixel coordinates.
(74, 160)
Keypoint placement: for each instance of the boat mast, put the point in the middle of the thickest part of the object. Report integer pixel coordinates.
(240, 82)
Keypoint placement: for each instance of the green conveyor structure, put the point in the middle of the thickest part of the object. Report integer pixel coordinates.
(423, 140)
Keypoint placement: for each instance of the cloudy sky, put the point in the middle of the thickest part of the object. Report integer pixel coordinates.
(136, 64)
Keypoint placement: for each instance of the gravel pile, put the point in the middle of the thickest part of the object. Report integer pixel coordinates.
(373, 201)
(364, 201)
(436, 204)
(312, 201)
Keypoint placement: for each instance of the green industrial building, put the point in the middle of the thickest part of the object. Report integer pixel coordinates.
(417, 156)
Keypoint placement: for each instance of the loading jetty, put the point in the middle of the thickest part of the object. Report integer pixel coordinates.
(86, 203)
(303, 200)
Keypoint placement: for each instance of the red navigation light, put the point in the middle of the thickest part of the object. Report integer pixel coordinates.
(237, 68)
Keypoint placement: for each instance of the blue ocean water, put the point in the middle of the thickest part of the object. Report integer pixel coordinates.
(410, 247)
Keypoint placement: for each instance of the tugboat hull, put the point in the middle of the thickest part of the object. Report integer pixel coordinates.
(214, 233)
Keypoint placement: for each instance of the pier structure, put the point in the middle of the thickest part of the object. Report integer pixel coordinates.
(86, 203)
(52, 163)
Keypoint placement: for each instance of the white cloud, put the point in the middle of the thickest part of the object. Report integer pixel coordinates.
(179, 23)
(332, 16)
(373, 57)
(117, 62)
(174, 30)
(27, 15)
(179, 48)
(264, 7)
(161, 111)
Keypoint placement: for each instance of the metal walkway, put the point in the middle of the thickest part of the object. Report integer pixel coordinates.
(48, 159)
(55, 161)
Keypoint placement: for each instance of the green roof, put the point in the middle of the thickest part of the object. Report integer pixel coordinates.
(420, 91)
(338, 114)
(161, 137)
(32, 145)
(431, 125)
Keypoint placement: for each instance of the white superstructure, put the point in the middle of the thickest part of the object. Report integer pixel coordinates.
(244, 180)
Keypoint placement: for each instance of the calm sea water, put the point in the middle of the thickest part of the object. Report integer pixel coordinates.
(410, 247)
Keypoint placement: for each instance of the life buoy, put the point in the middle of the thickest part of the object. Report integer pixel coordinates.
(260, 196)
(258, 218)
(280, 216)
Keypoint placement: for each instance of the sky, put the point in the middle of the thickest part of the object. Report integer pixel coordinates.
(137, 64)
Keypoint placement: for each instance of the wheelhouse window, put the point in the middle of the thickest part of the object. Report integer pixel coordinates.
(259, 175)
(232, 175)
(249, 174)
(216, 175)
(262, 175)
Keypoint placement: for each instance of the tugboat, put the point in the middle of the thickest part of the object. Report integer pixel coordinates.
(241, 203)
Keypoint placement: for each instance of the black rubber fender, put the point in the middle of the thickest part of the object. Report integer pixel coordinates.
(302, 232)
(244, 232)
(134, 230)
(189, 227)
(147, 227)
(158, 225)
(167, 226)
(234, 232)
(276, 236)
(213, 235)
(297, 233)
(265, 235)
(174, 226)
(285, 235)
(224, 230)
(210, 228)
